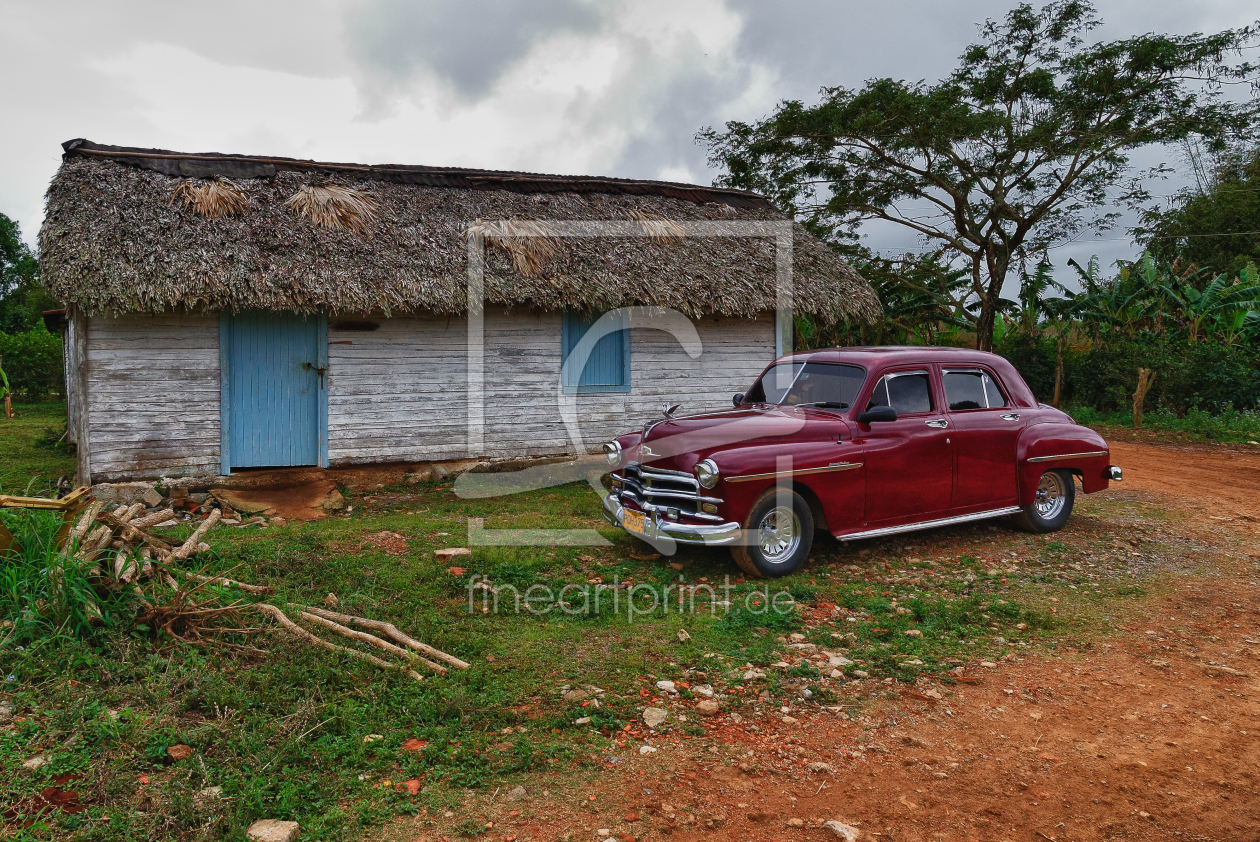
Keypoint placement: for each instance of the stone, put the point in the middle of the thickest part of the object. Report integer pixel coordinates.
(913, 633)
(419, 475)
(988, 665)
(6, 712)
(35, 763)
(667, 687)
(204, 799)
(821, 768)
(840, 830)
(708, 707)
(272, 830)
(179, 752)
(576, 695)
(861, 674)
(517, 793)
(646, 749)
(703, 690)
(234, 501)
(754, 675)
(790, 720)
(653, 717)
(152, 498)
(451, 553)
(838, 660)
(795, 822)
(333, 502)
(683, 637)
(582, 720)
(279, 521)
(807, 648)
(603, 833)
(125, 493)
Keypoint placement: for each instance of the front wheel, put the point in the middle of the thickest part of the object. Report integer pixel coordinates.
(777, 535)
(1052, 504)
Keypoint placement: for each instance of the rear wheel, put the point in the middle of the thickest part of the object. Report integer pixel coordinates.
(1052, 504)
(778, 533)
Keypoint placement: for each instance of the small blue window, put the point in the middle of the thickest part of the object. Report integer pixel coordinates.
(607, 367)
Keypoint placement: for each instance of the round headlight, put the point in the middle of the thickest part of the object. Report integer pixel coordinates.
(707, 473)
(612, 452)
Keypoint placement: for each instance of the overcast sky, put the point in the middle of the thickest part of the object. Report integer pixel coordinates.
(615, 87)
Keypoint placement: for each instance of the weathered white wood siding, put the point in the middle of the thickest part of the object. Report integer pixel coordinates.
(152, 395)
(399, 393)
(395, 394)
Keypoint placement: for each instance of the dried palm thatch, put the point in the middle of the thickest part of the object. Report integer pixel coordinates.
(335, 208)
(657, 228)
(531, 244)
(112, 243)
(212, 199)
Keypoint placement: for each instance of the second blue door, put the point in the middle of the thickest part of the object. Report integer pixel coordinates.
(273, 388)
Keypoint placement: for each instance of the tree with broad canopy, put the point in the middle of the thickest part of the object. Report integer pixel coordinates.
(1019, 149)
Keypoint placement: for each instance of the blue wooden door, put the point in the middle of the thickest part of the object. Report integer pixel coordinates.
(273, 389)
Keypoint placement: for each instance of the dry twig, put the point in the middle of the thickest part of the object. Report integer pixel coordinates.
(393, 631)
(302, 634)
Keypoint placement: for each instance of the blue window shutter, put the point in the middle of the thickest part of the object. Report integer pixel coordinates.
(607, 368)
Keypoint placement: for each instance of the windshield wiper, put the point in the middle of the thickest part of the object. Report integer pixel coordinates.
(826, 404)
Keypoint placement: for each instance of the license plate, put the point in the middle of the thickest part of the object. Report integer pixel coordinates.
(635, 522)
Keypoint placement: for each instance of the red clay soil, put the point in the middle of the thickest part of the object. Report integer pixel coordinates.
(1154, 734)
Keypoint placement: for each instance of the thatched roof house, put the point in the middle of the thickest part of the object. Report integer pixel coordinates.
(164, 258)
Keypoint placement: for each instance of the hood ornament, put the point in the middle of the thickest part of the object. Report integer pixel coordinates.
(670, 410)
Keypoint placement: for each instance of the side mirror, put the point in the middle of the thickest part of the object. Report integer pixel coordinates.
(879, 413)
(738, 399)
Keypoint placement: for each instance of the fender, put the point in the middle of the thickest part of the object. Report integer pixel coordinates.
(1061, 445)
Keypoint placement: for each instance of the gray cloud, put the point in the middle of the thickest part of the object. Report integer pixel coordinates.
(469, 45)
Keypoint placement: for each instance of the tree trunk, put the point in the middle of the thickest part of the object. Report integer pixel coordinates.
(1058, 373)
(1145, 378)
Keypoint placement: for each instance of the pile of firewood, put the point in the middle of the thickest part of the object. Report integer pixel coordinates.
(121, 550)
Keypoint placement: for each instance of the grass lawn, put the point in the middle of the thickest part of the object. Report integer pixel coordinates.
(25, 466)
(294, 733)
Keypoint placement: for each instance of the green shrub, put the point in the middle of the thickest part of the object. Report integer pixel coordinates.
(1207, 376)
(33, 363)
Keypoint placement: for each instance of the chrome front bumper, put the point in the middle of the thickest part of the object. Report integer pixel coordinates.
(683, 533)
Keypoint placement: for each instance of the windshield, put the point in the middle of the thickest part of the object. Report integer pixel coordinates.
(819, 384)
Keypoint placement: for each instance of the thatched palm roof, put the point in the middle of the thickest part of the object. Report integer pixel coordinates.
(125, 233)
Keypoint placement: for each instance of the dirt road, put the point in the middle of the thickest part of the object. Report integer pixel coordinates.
(1197, 477)
(1152, 733)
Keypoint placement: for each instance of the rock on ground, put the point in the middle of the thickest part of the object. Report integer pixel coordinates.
(517, 794)
(848, 833)
(272, 830)
(653, 717)
(707, 707)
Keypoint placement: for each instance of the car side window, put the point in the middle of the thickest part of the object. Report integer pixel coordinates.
(907, 392)
(972, 389)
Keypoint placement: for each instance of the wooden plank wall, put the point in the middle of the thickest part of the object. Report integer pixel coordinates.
(153, 395)
(398, 393)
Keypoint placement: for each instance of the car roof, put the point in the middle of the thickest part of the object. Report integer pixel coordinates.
(894, 354)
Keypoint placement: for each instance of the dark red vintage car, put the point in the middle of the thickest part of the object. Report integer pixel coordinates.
(861, 442)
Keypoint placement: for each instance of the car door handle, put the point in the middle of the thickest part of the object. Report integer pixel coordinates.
(938, 423)
(1011, 416)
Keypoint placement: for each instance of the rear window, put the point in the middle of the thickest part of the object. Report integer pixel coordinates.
(907, 392)
(972, 389)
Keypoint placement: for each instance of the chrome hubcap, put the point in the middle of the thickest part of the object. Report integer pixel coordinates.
(1051, 496)
(779, 534)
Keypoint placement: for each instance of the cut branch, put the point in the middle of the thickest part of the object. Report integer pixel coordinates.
(372, 640)
(393, 631)
(305, 636)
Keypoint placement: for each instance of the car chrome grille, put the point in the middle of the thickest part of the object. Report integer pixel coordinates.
(659, 490)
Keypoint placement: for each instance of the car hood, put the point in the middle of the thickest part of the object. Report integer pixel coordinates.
(679, 443)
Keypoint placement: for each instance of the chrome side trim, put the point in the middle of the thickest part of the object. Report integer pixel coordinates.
(837, 466)
(928, 524)
(1068, 456)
